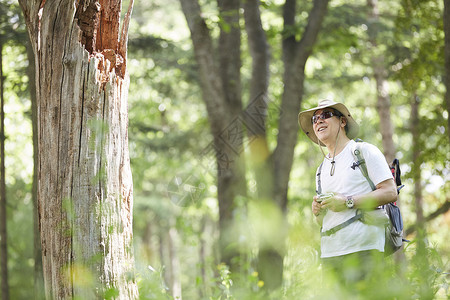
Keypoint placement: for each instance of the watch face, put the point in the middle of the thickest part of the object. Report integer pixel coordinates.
(349, 202)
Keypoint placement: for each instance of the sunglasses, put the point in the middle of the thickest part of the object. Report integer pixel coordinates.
(324, 115)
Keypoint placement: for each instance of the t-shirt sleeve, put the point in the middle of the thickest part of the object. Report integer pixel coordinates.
(377, 167)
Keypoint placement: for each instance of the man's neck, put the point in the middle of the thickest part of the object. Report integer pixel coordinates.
(334, 148)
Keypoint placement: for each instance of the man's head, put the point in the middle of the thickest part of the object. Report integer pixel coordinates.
(319, 122)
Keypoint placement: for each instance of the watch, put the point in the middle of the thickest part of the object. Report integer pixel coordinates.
(349, 202)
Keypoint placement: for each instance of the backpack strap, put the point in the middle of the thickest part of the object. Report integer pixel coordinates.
(319, 187)
(361, 162)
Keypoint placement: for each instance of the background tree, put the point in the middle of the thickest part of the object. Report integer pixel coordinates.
(221, 94)
(3, 201)
(447, 58)
(380, 74)
(85, 188)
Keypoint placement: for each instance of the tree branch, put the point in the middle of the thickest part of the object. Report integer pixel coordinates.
(441, 210)
(259, 82)
(309, 37)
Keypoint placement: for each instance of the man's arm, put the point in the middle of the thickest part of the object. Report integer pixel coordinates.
(385, 192)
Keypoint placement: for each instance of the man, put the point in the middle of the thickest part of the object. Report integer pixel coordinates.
(346, 241)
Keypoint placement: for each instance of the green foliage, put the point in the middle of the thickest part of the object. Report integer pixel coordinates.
(151, 284)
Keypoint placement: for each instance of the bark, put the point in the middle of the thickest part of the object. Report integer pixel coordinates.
(3, 214)
(229, 53)
(38, 272)
(447, 60)
(84, 176)
(229, 143)
(380, 75)
(260, 53)
(270, 261)
(221, 94)
(256, 112)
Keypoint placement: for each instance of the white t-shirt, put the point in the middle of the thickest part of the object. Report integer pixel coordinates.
(357, 236)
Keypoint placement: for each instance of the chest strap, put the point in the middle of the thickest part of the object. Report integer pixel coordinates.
(358, 216)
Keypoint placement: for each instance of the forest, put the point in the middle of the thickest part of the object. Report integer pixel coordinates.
(151, 149)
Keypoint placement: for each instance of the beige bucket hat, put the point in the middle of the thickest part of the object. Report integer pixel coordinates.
(304, 119)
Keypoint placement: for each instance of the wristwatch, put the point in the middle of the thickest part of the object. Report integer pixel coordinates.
(349, 202)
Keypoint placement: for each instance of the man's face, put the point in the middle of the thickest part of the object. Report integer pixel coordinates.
(326, 125)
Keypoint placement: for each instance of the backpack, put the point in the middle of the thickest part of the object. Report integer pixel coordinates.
(394, 228)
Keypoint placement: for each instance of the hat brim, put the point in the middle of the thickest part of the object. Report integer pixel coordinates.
(304, 120)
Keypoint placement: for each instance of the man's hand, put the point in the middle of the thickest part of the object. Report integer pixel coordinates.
(316, 206)
(335, 203)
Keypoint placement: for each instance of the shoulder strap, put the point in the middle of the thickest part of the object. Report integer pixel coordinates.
(319, 187)
(361, 163)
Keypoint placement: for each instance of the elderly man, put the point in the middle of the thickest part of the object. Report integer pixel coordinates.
(347, 239)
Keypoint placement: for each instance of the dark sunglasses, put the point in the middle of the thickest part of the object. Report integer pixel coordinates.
(324, 115)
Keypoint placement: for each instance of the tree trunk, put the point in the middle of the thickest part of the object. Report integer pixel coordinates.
(3, 215)
(295, 55)
(174, 264)
(85, 187)
(229, 142)
(221, 94)
(380, 75)
(169, 257)
(417, 174)
(447, 60)
(383, 99)
(38, 275)
(256, 112)
(203, 289)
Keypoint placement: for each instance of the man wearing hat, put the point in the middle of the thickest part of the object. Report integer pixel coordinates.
(330, 124)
